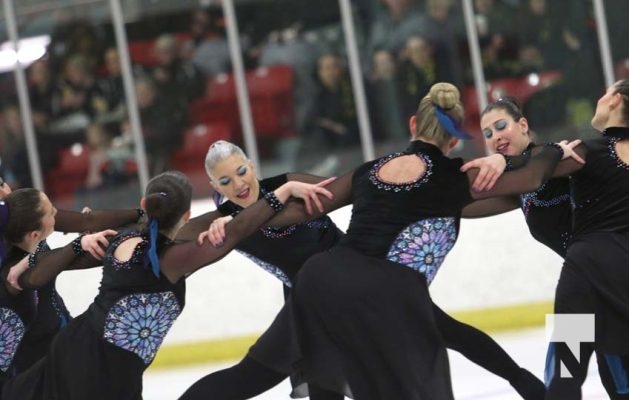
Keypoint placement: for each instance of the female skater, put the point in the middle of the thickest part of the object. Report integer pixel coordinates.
(31, 317)
(103, 353)
(282, 251)
(360, 321)
(593, 280)
(52, 314)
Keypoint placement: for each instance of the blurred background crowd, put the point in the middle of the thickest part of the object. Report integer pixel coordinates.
(301, 96)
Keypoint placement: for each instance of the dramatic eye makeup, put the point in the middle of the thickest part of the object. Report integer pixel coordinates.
(224, 181)
(500, 124)
(242, 170)
(488, 133)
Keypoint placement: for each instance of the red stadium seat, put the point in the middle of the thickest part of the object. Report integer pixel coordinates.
(197, 140)
(71, 170)
(272, 104)
(141, 52)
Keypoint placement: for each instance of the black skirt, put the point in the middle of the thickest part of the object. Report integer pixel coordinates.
(360, 326)
(80, 365)
(595, 280)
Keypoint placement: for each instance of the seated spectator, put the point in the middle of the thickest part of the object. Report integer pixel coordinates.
(545, 40)
(333, 119)
(41, 91)
(174, 77)
(383, 97)
(207, 48)
(99, 142)
(111, 86)
(77, 99)
(418, 72)
(13, 153)
(161, 127)
(395, 22)
(442, 26)
(497, 38)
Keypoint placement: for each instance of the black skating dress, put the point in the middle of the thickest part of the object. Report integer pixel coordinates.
(282, 251)
(360, 314)
(103, 353)
(548, 213)
(595, 276)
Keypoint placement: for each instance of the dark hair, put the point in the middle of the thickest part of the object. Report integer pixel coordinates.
(622, 87)
(508, 104)
(25, 214)
(167, 198)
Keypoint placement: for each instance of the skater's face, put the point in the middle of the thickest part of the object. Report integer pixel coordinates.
(503, 134)
(234, 177)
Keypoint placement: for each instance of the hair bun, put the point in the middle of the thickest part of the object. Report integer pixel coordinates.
(444, 95)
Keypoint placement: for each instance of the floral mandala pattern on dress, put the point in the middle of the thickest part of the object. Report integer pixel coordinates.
(424, 245)
(531, 199)
(11, 334)
(268, 267)
(398, 187)
(139, 322)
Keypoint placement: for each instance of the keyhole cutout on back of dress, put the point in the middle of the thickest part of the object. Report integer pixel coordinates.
(622, 150)
(403, 169)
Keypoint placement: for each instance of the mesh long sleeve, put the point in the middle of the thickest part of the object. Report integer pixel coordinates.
(181, 259)
(489, 207)
(307, 178)
(538, 169)
(97, 220)
(295, 211)
(46, 265)
(196, 225)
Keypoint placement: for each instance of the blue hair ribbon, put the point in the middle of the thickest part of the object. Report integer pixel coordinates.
(449, 125)
(152, 253)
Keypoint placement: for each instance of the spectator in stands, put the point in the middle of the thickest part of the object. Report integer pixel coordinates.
(41, 90)
(545, 39)
(111, 85)
(99, 141)
(394, 23)
(13, 153)
(383, 97)
(442, 26)
(175, 77)
(15, 169)
(162, 126)
(418, 72)
(496, 37)
(333, 117)
(77, 100)
(207, 48)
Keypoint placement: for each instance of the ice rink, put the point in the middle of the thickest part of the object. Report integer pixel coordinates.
(470, 382)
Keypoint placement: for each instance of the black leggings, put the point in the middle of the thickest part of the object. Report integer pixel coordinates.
(250, 378)
(476, 346)
(574, 295)
(482, 350)
(244, 380)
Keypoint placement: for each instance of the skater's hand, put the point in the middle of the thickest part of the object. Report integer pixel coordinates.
(491, 167)
(16, 271)
(308, 192)
(96, 243)
(568, 150)
(216, 232)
